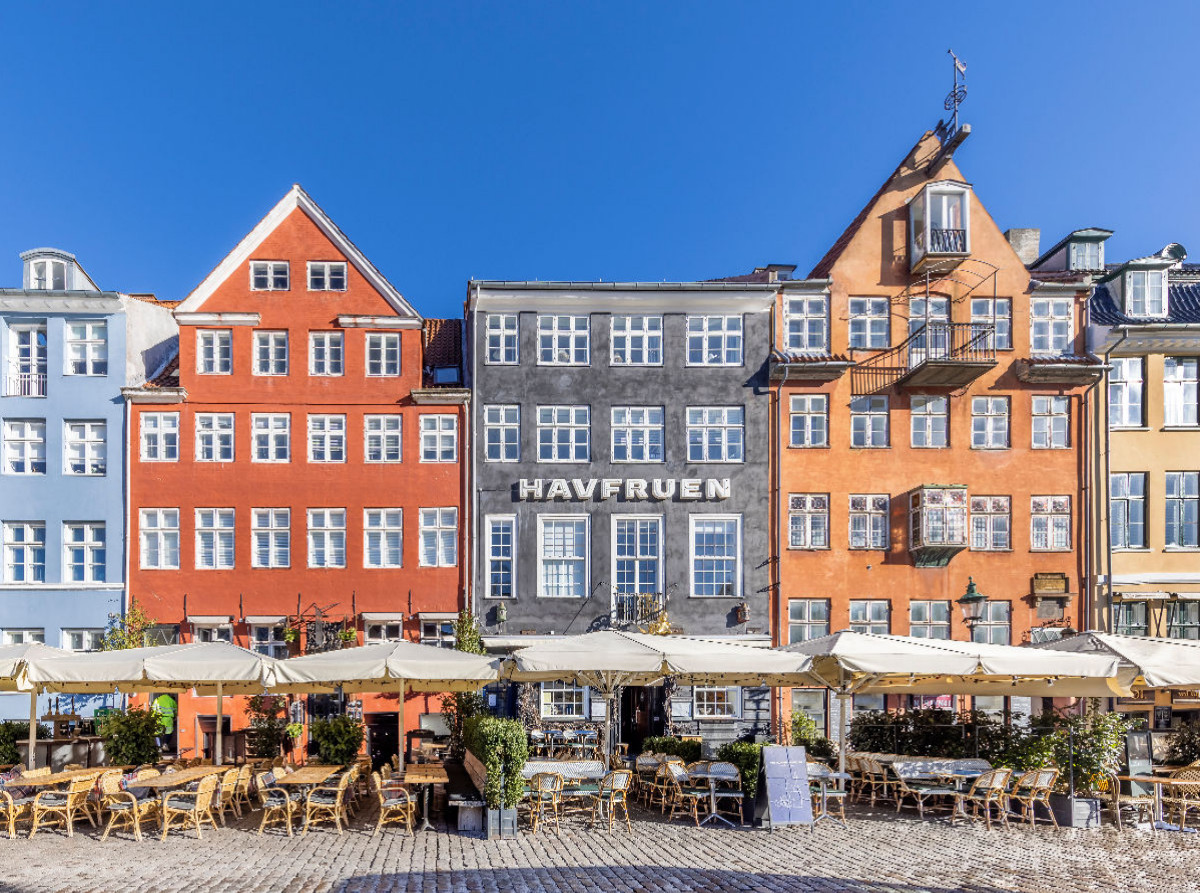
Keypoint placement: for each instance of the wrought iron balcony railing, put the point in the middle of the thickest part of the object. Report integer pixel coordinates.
(635, 608)
(939, 354)
(948, 241)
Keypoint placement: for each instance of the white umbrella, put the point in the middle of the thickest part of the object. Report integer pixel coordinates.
(209, 667)
(13, 660)
(1146, 660)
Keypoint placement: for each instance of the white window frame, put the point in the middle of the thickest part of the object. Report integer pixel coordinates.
(580, 700)
(383, 355)
(1050, 523)
(501, 432)
(996, 312)
(644, 563)
(437, 536)
(808, 521)
(25, 446)
(542, 558)
(564, 339)
(635, 340)
(270, 537)
(693, 521)
(270, 354)
(25, 636)
(811, 621)
(92, 348)
(865, 415)
(729, 422)
(1083, 247)
(321, 274)
(1181, 498)
(272, 431)
(556, 420)
(326, 538)
(864, 616)
(502, 341)
(333, 347)
(1127, 497)
(383, 532)
(158, 539)
(91, 639)
(437, 633)
(808, 422)
(995, 626)
(212, 632)
(268, 639)
(270, 275)
(1051, 422)
(715, 340)
(991, 523)
(215, 434)
(383, 631)
(1148, 305)
(1127, 392)
(48, 275)
(329, 431)
(1052, 326)
(924, 425)
(806, 321)
(707, 701)
(642, 428)
(990, 423)
(439, 437)
(219, 525)
(870, 325)
(930, 627)
(85, 448)
(870, 521)
(383, 438)
(23, 541)
(1181, 384)
(160, 438)
(501, 557)
(93, 539)
(214, 351)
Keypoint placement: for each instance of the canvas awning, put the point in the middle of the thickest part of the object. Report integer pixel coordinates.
(1147, 661)
(13, 659)
(383, 667)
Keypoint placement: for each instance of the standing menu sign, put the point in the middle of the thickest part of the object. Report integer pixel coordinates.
(783, 796)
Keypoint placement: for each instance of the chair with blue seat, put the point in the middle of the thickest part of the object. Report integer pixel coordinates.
(327, 804)
(195, 807)
(278, 805)
(612, 793)
(124, 807)
(545, 799)
(54, 807)
(395, 804)
(683, 793)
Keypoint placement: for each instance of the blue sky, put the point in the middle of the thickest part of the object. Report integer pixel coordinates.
(568, 140)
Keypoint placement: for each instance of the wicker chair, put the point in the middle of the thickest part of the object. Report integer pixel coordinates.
(242, 794)
(227, 795)
(988, 790)
(662, 787)
(327, 803)
(1034, 787)
(876, 781)
(645, 767)
(278, 805)
(15, 808)
(685, 796)
(352, 793)
(396, 805)
(918, 792)
(53, 807)
(196, 806)
(545, 798)
(1141, 805)
(1182, 799)
(728, 781)
(124, 807)
(614, 788)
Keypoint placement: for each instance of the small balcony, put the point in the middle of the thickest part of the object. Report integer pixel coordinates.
(937, 355)
(25, 384)
(948, 241)
(939, 220)
(637, 608)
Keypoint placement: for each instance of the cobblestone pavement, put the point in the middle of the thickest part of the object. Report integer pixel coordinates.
(880, 853)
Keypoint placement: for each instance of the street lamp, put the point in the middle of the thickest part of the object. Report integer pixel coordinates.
(973, 603)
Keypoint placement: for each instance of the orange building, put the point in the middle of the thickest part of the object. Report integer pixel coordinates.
(930, 412)
(295, 476)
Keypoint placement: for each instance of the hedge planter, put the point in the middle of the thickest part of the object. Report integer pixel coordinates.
(502, 824)
(1075, 812)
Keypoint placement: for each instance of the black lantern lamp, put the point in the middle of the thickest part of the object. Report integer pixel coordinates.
(973, 604)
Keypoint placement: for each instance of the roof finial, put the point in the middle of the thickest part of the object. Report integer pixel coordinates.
(956, 96)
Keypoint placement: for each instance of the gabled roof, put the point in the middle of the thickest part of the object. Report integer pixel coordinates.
(1087, 234)
(296, 198)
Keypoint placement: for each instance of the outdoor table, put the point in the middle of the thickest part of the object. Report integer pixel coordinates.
(169, 780)
(425, 776)
(54, 779)
(824, 779)
(712, 796)
(1158, 783)
(308, 775)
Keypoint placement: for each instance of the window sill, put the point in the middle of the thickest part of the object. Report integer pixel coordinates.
(639, 461)
(998, 551)
(612, 365)
(1134, 549)
(886, 446)
(1049, 448)
(1193, 428)
(1053, 551)
(813, 549)
(1115, 428)
(804, 446)
(1180, 549)
(710, 597)
(886, 548)
(716, 718)
(991, 449)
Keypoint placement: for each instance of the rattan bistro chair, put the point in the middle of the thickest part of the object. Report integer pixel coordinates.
(16, 804)
(613, 791)
(919, 793)
(1180, 799)
(227, 795)
(545, 799)
(53, 807)
(685, 796)
(242, 794)
(1141, 805)
(728, 782)
(1031, 788)
(278, 805)
(396, 805)
(124, 807)
(988, 790)
(327, 803)
(194, 806)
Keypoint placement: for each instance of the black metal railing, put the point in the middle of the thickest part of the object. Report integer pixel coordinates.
(948, 241)
(633, 608)
(936, 341)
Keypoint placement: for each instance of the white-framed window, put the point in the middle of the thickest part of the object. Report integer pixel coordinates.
(1147, 290)
(438, 633)
(991, 523)
(1051, 422)
(269, 639)
(928, 327)
(716, 555)
(501, 332)
(326, 354)
(1085, 255)
(870, 527)
(24, 636)
(808, 521)
(638, 433)
(997, 313)
(636, 341)
(269, 275)
(807, 318)
(564, 433)
(563, 340)
(1050, 523)
(716, 433)
(809, 420)
(24, 552)
(383, 354)
(501, 556)
(325, 275)
(214, 352)
(929, 619)
(871, 615)
(716, 702)
(85, 448)
(995, 626)
(1127, 509)
(327, 538)
(1179, 392)
(214, 539)
(502, 433)
(438, 534)
(326, 438)
(808, 618)
(386, 631)
(48, 275)
(1125, 389)
(271, 535)
(158, 539)
(1052, 326)
(82, 639)
(383, 537)
(565, 700)
(382, 438)
(439, 438)
(26, 360)
(870, 323)
(214, 436)
(1183, 508)
(84, 552)
(270, 353)
(212, 632)
(563, 556)
(937, 516)
(930, 422)
(24, 446)
(272, 437)
(869, 422)
(1183, 620)
(714, 341)
(989, 423)
(1130, 619)
(160, 436)
(87, 348)
(637, 554)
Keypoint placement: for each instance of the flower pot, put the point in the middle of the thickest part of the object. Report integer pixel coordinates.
(1075, 812)
(502, 824)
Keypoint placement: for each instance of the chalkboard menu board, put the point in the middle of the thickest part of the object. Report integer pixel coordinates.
(783, 796)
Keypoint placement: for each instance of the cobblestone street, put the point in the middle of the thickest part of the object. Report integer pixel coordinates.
(879, 854)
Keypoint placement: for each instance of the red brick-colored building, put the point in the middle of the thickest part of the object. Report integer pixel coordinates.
(295, 471)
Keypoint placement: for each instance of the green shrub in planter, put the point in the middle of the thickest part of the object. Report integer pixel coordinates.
(338, 738)
(1184, 747)
(688, 751)
(805, 734)
(13, 732)
(747, 756)
(501, 745)
(130, 736)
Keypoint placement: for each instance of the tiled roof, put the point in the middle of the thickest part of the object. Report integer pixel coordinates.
(442, 340)
(786, 357)
(167, 376)
(1183, 306)
(151, 299)
(756, 276)
(1080, 276)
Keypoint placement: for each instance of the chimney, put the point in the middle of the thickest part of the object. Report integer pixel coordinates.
(1026, 242)
(779, 272)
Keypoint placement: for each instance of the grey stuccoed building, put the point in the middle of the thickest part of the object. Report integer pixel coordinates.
(619, 454)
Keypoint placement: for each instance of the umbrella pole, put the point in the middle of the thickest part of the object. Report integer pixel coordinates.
(843, 733)
(220, 722)
(32, 755)
(400, 749)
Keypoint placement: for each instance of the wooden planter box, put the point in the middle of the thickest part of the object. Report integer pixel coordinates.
(501, 823)
(1075, 812)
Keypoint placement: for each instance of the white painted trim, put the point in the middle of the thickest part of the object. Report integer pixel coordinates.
(612, 435)
(271, 264)
(687, 334)
(538, 439)
(486, 425)
(571, 333)
(612, 548)
(487, 553)
(487, 333)
(381, 616)
(347, 321)
(327, 265)
(612, 351)
(587, 553)
(296, 198)
(217, 319)
(741, 562)
(368, 530)
(271, 431)
(270, 335)
(735, 700)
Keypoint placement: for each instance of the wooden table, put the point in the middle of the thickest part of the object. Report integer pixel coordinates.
(54, 778)
(174, 779)
(1158, 783)
(426, 775)
(308, 775)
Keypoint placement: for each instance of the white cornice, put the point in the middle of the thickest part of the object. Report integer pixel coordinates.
(622, 297)
(217, 319)
(98, 303)
(154, 395)
(349, 321)
(447, 396)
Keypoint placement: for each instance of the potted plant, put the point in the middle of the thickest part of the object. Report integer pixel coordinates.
(348, 636)
(130, 736)
(1087, 749)
(338, 739)
(496, 750)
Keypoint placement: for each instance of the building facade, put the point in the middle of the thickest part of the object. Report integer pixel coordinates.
(930, 400)
(66, 349)
(297, 483)
(620, 477)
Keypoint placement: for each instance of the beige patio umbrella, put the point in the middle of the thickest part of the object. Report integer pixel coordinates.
(211, 668)
(13, 660)
(1146, 661)
(386, 666)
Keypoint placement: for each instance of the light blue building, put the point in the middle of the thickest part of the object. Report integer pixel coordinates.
(66, 350)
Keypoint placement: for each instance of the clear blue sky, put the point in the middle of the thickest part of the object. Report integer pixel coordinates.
(568, 140)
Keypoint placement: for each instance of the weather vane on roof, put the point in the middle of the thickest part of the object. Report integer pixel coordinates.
(959, 93)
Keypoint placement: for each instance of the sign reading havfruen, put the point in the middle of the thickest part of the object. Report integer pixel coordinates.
(629, 489)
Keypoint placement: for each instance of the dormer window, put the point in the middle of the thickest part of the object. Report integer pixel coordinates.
(269, 275)
(1146, 293)
(1086, 256)
(48, 275)
(939, 222)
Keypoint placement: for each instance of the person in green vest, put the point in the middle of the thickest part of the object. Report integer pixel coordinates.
(166, 708)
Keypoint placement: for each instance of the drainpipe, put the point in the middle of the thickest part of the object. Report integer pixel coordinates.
(469, 341)
(1089, 531)
(777, 490)
(1107, 483)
